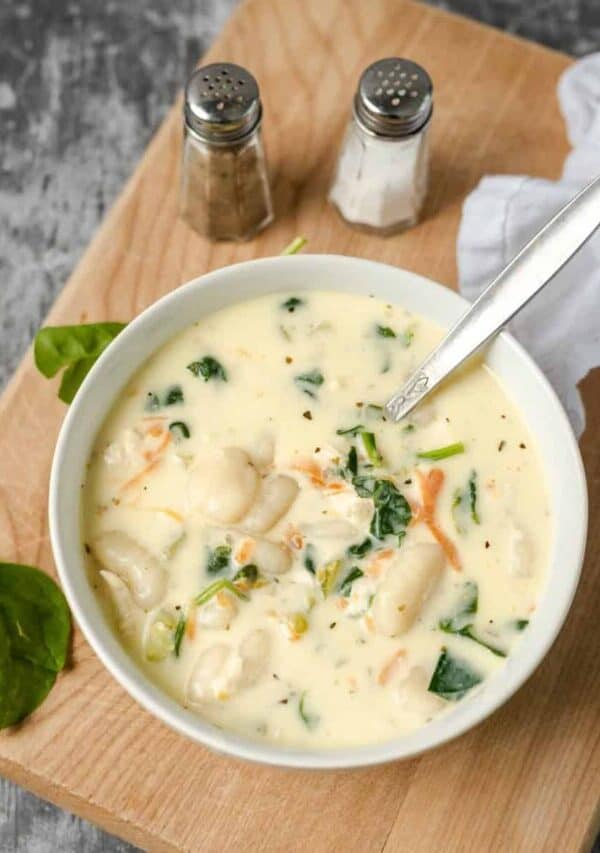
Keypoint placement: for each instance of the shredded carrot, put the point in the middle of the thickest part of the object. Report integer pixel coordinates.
(390, 667)
(370, 623)
(152, 457)
(376, 562)
(155, 418)
(244, 552)
(149, 455)
(222, 598)
(342, 603)
(314, 472)
(430, 485)
(140, 475)
(336, 486)
(190, 625)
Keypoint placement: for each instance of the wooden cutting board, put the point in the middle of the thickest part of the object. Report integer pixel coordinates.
(528, 778)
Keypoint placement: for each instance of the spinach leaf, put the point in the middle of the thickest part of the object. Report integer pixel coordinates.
(352, 462)
(208, 368)
(361, 548)
(218, 559)
(346, 586)
(309, 559)
(173, 395)
(407, 337)
(461, 623)
(452, 678)
(311, 721)
(178, 634)
(34, 634)
(179, 430)
(466, 607)
(473, 497)
(466, 501)
(249, 574)
(469, 632)
(74, 348)
(365, 485)
(309, 381)
(354, 431)
(385, 332)
(392, 511)
(295, 246)
(521, 624)
(442, 452)
(292, 303)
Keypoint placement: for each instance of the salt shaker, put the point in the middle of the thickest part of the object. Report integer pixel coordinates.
(381, 177)
(225, 192)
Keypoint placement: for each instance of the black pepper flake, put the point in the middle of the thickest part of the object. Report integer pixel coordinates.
(317, 449)
(501, 446)
(288, 359)
(360, 405)
(447, 420)
(523, 446)
(487, 544)
(333, 624)
(503, 417)
(178, 607)
(407, 482)
(283, 701)
(307, 414)
(87, 548)
(275, 676)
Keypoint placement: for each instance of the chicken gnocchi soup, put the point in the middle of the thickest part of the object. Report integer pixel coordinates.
(283, 560)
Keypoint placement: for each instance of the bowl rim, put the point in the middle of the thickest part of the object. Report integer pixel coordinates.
(518, 668)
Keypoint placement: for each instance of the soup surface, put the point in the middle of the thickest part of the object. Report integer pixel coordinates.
(287, 563)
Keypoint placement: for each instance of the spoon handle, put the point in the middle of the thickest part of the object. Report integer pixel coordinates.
(535, 265)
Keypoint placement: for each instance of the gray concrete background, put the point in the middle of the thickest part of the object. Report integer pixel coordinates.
(83, 85)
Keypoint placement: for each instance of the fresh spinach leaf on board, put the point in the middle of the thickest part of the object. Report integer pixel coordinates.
(35, 626)
(74, 349)
(452, 678)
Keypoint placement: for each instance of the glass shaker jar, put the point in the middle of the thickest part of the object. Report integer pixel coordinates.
(225, 192)
(381, 177)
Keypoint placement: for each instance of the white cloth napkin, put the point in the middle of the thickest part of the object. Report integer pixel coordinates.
(560, 328)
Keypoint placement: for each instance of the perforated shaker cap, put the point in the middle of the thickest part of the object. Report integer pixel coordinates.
(394, 97)
(222, 102)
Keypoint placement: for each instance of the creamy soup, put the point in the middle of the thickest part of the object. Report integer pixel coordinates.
(287, 563)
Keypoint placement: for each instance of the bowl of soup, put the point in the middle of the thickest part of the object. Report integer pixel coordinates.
(273, 568)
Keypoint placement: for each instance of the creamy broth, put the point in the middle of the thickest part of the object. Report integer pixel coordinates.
(282, 560)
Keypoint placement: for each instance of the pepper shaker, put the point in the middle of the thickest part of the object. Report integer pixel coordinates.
(381, 177)
(225, 193)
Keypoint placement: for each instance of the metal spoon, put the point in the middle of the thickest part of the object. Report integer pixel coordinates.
(520, 281)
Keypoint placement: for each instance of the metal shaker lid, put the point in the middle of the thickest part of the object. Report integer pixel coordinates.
(222, 102)
(394, 97)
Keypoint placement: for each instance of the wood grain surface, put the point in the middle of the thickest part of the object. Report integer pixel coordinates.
(527, 779)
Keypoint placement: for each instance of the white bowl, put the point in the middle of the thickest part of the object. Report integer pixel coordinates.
(174, 312)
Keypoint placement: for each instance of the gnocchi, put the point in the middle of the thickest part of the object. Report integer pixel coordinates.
(287, 563)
